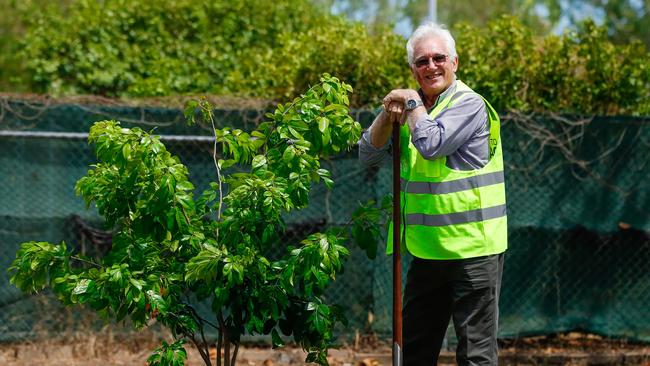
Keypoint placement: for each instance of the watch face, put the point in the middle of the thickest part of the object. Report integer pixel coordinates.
(411, 104)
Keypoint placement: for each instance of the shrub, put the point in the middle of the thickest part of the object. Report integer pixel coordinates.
(159, 48)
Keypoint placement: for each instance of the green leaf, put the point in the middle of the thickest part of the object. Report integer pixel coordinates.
(174, 245)
(224, 164)
(190, 110)
(324, 310)
(180, 220)
(319, 318)
(288, 154)
(157, 302)
(168, 354)
(276, 339)
(366, 240)
(171, 219)
(295, 133)
(81, 287)
(328, 182)
(258, 161)
(137, 283)
(227, 272)
(323, 123)
(185, 186)
(157, 147)
(126, 151)
(326, 138)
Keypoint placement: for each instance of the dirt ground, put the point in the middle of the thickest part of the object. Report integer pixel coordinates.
(111, 350)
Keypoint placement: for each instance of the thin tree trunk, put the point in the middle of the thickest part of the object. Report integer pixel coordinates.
(225, 341)
(206, 345)
(220, 339)
(234, 355)
(226, 356)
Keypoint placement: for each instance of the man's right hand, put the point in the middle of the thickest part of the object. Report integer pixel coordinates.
(395, 112)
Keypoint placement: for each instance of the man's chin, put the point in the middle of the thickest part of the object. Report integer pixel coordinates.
(435, 88)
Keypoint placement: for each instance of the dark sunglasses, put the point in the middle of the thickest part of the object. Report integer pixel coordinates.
(437, 60)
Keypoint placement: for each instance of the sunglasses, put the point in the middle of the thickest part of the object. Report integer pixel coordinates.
(438, 60)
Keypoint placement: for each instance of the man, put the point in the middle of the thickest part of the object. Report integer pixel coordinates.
(453, 203)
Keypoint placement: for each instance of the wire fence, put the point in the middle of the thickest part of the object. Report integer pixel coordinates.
(579, 223)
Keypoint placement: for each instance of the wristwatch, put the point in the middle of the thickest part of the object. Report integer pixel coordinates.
(411, 104)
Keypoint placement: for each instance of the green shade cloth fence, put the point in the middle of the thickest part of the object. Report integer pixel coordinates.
(578, 211)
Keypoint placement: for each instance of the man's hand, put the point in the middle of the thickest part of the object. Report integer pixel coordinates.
(400, 96)
(394, 105)
(395, 102)
(395, 112)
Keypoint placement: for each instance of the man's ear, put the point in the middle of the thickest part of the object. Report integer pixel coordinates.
(455, 64)
(412, 67)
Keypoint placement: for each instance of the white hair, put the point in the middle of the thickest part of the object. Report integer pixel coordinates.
(431, 29)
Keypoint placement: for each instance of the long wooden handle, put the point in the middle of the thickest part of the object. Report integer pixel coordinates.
(397, 257)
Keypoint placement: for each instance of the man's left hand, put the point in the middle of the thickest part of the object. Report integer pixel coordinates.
(399, 96)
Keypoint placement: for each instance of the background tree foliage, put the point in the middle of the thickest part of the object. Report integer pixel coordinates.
(578, 72)
(625, 20)
(449, 12)
(14, 23)
(157, 48)
(153, 48)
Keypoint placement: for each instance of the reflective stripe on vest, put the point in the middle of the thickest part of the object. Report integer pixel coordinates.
(452, 186)
(451, 214)
(480, 214)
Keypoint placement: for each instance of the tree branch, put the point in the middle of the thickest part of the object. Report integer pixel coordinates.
(204, 355)
(216, 165)
(85, 261)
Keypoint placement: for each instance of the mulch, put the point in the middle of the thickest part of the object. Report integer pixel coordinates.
(569, 349)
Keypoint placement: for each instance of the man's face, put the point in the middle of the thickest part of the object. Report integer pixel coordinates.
(432, 66)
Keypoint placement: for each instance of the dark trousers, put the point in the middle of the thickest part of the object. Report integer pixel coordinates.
(465, 289)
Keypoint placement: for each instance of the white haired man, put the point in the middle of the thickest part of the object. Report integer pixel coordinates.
(453, 203)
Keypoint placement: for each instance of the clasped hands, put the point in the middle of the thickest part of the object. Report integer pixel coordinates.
(395, 102)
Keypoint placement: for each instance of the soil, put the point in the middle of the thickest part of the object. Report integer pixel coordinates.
(133, 349)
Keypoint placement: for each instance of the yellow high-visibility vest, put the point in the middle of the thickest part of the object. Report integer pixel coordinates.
(447, 213)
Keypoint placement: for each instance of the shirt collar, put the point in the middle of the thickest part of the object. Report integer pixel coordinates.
(443, 95)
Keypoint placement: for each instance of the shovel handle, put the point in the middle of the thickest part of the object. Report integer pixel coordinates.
(397, 258)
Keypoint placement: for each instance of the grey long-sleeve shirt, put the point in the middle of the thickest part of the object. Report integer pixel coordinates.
(460, 132)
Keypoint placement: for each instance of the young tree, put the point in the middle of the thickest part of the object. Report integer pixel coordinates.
(171, 249)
